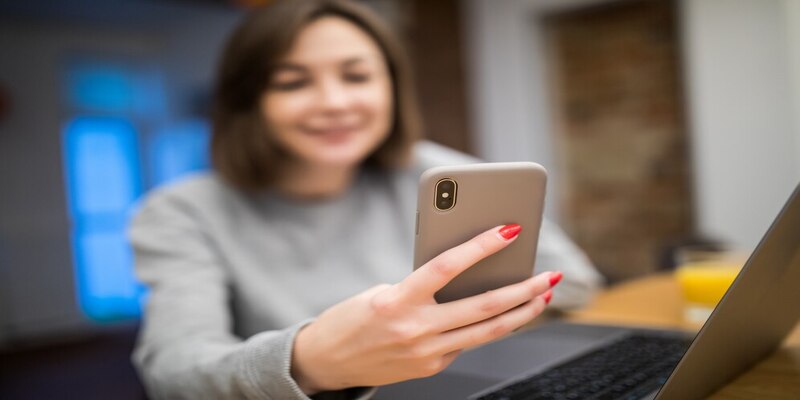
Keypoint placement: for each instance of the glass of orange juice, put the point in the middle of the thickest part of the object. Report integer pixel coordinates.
(704, 278)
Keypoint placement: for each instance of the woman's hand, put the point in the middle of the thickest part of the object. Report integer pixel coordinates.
(392, 333)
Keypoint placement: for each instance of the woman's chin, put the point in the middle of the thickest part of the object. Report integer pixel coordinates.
(338, 158)
(343, 155)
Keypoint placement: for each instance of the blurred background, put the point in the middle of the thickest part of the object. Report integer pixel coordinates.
(663, 123)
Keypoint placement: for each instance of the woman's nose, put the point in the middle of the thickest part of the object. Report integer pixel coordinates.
(333, 96)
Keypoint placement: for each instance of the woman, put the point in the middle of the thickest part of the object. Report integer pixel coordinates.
(286, 273)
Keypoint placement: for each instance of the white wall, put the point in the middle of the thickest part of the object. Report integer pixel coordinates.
(744, 136)
(793, 33)
(508, 105)
(742, 91)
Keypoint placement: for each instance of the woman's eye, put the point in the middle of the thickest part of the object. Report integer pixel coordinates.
(289, 85)
(356, 78)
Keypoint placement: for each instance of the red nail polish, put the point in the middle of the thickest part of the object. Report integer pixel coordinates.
(547, 296)
(555, 277)
(510, 231)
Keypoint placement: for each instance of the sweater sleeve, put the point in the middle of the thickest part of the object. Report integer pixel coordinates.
(186, 347)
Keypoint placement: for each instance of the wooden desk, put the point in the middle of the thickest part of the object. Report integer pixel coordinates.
(656, 301)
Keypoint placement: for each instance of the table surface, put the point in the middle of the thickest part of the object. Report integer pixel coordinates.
(656, 301)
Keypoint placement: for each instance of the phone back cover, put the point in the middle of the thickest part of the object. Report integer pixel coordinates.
(488, 195)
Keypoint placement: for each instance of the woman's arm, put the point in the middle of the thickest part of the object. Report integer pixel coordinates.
(387, 334)
(187, 348)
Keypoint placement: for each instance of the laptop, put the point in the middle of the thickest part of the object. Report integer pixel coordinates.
(572, 361)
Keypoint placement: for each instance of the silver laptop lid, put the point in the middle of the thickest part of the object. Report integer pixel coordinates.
(752, 319)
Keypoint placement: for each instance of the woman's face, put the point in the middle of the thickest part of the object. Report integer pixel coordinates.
(329, 103)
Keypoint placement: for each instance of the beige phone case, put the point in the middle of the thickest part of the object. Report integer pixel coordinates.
(488, 195)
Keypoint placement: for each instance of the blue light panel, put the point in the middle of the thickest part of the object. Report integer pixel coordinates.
(108, 290)
(179, 149)
(102, 165)
(98, 86)
(103, 181)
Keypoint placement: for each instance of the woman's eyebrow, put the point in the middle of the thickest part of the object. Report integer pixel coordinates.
(358, 60)
(292, 67)
(352, 61)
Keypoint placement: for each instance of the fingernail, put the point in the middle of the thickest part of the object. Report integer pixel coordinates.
(547, 296)
(510, 231)
(555, 277)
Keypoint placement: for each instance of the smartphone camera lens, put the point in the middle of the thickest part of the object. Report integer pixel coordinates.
(445, 194)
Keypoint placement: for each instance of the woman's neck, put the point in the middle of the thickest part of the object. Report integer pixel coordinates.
(314, 182)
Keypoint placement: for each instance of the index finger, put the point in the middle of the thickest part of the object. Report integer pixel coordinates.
(438, 272)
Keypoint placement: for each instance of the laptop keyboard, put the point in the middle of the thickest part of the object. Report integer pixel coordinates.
(629, 368)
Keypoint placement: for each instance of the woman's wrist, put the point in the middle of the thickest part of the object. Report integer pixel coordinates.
(300, 361)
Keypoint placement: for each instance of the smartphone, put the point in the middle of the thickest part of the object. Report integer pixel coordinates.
(455, 203)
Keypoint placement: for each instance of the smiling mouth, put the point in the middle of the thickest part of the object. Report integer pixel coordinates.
(332, 131)
(333, 134)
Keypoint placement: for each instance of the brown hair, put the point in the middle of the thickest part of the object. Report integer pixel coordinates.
(242, 150)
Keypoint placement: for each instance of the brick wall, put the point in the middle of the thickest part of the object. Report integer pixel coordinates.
(622, 145)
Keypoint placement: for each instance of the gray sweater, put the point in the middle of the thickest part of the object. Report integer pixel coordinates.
(232, 276)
